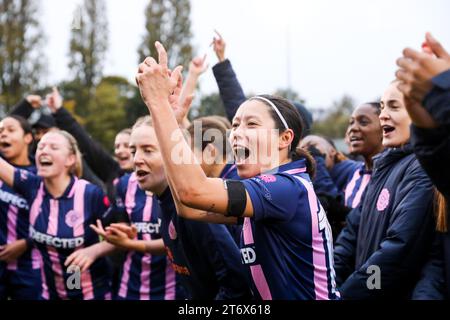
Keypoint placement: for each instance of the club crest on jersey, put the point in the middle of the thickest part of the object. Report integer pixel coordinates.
(268, 178)
(383, 200)
(73, 218)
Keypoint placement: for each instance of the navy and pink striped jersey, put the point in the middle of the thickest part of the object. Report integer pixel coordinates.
(144, 276)
(356, 186)
(60, 226)
(15, 225)
(287, 244)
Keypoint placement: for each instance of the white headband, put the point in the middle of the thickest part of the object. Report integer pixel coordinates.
(274, 107)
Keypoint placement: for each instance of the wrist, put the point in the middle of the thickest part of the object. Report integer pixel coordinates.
(193, 74)
(157, 102)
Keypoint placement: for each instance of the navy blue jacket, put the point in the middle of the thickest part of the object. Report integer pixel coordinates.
(230, 89)
(432, 148)
(392, 229)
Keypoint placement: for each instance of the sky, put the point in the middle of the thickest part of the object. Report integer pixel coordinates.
(322, 49)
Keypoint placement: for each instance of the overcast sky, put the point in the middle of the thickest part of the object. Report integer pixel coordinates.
(324, 48)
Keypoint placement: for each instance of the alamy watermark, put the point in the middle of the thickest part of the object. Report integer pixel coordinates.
(374, 280)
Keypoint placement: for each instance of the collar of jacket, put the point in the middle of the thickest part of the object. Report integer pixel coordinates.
(391, 155)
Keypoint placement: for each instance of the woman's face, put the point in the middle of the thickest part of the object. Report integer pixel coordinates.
(13, 140)
(147, 159)
(394, 118)
(254, 140)
(122, 151)
(364, 132)
(54, 155)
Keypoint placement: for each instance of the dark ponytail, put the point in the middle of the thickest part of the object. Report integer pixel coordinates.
(300, 153)
(296, 124)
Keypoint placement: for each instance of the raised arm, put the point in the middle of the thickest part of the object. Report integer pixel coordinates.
(98, 159)
(230, 89)
(6, 172)
(197, 67)
(26, 107)
(191, 185)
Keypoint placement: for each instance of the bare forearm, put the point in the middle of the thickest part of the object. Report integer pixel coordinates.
(189, 87)
(6, 172)
(103, 249)
(155, 247)
(179, 161)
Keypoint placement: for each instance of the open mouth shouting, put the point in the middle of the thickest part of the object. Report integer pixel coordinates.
(4, 145)
(241, 154)
(45, 162)
(141, 175)
(387, 130)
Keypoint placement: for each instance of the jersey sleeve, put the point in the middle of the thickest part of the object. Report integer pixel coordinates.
(26, 184)
(273, 196)
(99, 201)
(117, 211)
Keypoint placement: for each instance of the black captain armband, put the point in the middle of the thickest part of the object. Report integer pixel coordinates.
(237, 198)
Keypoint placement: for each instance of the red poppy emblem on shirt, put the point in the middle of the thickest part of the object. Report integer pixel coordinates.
(383, 200)
(268, 178)
(73, 219)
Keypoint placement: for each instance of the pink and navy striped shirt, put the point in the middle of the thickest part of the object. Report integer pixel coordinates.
(287, 244)
(15, 225)
(60, 226)
(355, 188)
(144, 276)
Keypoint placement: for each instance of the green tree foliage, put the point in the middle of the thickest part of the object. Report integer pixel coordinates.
(335, 122)
(135, 107)
(168, 21)
(21, 57)
(88, 44)
(209, 105)
(107, 115)
(289, 94)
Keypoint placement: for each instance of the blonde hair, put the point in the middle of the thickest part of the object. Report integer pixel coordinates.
(124, 131)
(143, 121)
(77, 168)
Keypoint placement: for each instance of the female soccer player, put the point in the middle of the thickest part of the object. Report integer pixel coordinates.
(204, 256)
(276, 198)
(146, 271)
(388, 236)
(61, 209)
(425, 81)
(365, 136)
(19, 272)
